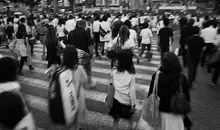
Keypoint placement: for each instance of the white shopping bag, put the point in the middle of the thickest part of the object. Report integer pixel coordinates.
(176, 52)
(69, 96)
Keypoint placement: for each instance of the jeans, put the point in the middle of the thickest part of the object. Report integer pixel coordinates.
(97, 42)
(192, 70)
(143, 46)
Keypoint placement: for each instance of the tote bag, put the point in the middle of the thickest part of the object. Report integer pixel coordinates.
(69, 96)
(150, 110)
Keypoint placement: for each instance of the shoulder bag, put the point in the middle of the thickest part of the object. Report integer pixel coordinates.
(179, 104)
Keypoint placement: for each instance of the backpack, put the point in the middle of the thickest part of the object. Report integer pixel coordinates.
(63, 98)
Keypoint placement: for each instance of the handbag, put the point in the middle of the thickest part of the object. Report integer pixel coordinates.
(112, 54)
(150, 110)
(111, 92)
(179, 103)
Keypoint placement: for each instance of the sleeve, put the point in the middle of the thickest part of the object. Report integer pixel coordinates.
(132, 91)
(82, 74)
(150, 33)
(151, 85)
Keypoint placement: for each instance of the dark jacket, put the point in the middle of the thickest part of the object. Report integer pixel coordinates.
(81, 39)
(52, 51)
(186, 32)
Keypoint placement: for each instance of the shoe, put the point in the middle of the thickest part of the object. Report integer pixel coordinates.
(31, 68)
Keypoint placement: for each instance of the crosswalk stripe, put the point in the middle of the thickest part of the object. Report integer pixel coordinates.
(99, 80)
(103, 119)
(90, 94)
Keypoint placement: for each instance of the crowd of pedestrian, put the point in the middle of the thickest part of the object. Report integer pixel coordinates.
(70, 44)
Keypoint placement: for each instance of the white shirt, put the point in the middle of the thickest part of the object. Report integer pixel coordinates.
(123, 19)
(124, 84)
(96, 26)
(70, 25)
(146, 35)
(217, 41)
(127, 45)
(106, 27)
(133, 35)
(54, 22)
(60, 30)
(209, 34)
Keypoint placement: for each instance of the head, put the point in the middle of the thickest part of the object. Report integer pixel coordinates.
(21, 31)
(70, 16)
(191, 22)
(105, 18)
(124, 34)
(13, 110)
(196, 30)
(81, 24)
(97, 17)
(61, 21)
(51, 33)
(8, 70)
(146, 25)
(170, 63)
(70, 57)
(125, 62)
(166, 22)
(22, 20)
(127, 23)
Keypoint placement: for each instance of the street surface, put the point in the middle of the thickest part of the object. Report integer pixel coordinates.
(34, 86)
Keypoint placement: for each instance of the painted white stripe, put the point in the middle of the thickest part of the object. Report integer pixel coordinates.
(99, 80)
(90, 94)
(94, 118)
(104, 62)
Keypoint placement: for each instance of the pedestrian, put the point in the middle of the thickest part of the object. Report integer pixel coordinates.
(146, 38)
(41, 31)
(186, 32)
(216, 72)
(71, 61)
(22, 47)
(104, 39)
(123, 81)
(168, 84)
(123, 41)
(164, 36)
(195, 45)
(13, 108)
(209, 35)
(61, 31)
(30, 28)
(85, 47)
(53, 47)
(133, 33)
(96, 36)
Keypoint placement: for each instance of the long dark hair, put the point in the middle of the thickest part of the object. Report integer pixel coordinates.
(125, 62)
(124, 34)
(51, 33)
(70, 57)
(21, 31)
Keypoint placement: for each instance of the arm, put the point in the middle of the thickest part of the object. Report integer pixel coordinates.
(132, 92)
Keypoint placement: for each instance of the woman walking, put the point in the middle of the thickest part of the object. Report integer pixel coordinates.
(61, 31)
(169, 83)
(23, 48)
(53, 48)
(123, 81)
